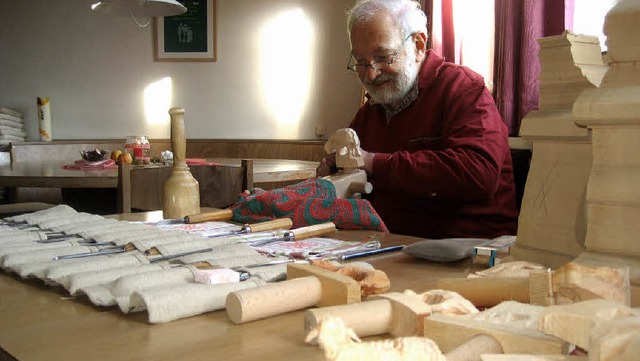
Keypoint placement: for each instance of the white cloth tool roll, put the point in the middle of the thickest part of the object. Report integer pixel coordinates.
(74, 283)
(32, 246)
(62, 222)
(60, 273)
(11, 260)
(118, 291)
(105, 223)
(185, 300)
(49, 212)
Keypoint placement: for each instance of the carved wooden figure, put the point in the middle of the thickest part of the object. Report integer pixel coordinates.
(552, 222)
(350, 179)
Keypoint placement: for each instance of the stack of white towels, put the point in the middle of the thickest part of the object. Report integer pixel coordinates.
(11, 126)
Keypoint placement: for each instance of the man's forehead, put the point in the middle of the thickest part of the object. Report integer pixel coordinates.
(374, 36)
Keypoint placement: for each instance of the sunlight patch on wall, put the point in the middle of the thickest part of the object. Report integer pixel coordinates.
(286, 54)
(157, 101)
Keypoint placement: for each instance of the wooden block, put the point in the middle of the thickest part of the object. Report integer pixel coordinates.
(609, 340)
(515, 336)
(574, 322)
(574, 282)
(488, 292)
(337, 289)
(347, 184)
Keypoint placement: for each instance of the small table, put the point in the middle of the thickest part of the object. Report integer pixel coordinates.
(51, 174)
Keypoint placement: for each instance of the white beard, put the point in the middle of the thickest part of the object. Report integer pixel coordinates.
(396, 86)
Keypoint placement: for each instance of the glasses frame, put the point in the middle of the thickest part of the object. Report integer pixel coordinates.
(376, 65)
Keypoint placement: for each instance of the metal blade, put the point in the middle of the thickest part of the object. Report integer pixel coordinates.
(165, 222)
(91, 254)
(67, 238)
(165, 258)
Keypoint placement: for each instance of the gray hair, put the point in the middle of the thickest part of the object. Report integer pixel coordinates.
(409, 16)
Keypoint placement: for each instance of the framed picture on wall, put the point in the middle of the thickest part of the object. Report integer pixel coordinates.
(187, 37)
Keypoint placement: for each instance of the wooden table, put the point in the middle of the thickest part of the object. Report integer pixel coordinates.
(38, 322)
(52, 174)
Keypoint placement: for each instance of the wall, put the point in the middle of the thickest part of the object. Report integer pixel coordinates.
(96, 67)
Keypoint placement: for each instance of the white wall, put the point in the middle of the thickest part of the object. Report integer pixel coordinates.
(95, 68)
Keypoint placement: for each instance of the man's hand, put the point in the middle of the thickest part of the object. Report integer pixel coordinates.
(368, 161)
(327, 166)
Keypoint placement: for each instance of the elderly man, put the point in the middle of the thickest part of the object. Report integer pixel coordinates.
(434, 145)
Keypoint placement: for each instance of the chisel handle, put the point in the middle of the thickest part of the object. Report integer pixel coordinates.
(312, 231)
(280, 223)
(221, 215)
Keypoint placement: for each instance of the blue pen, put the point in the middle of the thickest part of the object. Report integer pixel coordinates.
(348, 256)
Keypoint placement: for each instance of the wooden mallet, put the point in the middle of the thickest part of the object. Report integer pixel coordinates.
(306, 286)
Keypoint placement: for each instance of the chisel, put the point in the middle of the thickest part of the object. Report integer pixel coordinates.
(298, 234)
(221, 215)
(280, 223)
(276, 224)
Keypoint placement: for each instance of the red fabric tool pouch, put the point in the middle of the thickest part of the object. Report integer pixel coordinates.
(307, 203)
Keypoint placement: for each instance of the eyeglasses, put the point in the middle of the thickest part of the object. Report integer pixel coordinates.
(379, 64)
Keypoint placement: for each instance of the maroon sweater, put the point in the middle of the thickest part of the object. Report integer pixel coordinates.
(443, 166)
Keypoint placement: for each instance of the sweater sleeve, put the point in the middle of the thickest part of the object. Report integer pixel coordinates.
(468, 164)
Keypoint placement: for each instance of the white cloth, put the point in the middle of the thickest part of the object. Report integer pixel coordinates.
(105, 223)
(60, 273)
(59, 224)
(75, 282)
(175, 236)
(54, 211)
(12, 130)
(164, 304)
(202, 243)
(118, 291)
(22, 237)
(9, 122)
(11, 259)
(31, 246)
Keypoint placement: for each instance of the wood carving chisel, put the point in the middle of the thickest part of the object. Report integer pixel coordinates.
(280, 223)
(352, 255)
(298, 234)
(221, 215)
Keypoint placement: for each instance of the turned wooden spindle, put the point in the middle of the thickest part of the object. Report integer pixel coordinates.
(181, 191)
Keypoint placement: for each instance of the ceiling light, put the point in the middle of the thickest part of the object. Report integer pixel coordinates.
(147, 8)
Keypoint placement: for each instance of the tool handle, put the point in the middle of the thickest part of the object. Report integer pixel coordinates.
(221, 215)
(280, 223)
(153, 251)
(312, 231)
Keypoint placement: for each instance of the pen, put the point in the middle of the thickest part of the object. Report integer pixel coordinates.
(348, 256)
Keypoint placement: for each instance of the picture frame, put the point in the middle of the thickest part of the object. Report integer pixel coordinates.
(187, 37)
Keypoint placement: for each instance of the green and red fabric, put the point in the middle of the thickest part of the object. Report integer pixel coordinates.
(307, 203)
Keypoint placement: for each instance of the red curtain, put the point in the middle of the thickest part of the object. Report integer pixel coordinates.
(442, 37)
(519, 23)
